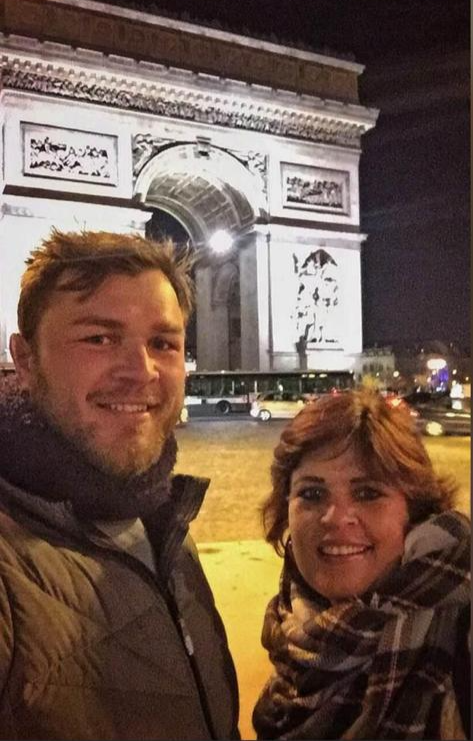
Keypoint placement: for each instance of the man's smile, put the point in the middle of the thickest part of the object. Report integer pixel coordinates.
(127, 407)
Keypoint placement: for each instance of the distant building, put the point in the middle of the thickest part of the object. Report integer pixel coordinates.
(429, 365)
(433, 364)
(376, 366)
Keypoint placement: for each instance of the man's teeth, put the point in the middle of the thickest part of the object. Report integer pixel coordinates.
(127, 407)
(343, 550)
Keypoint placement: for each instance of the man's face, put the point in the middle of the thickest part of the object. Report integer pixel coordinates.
(108, 370)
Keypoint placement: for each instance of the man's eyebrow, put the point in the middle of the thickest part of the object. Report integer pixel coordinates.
(97, 321)
(92, 320)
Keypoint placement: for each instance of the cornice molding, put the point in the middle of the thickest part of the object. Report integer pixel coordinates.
(142, 36)
(206, 31)
(97, 63)
(192, 102)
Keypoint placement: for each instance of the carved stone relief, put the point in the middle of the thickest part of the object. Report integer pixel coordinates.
(315, 188)
(144, 147)
(50, 151)
(257, 164)
(192, 106)
(316, 314)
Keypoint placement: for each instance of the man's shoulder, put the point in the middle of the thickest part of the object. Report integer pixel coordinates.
(23, 532)
(10, 525)
(18, 544)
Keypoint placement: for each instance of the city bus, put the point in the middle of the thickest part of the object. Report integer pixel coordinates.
(234, 391)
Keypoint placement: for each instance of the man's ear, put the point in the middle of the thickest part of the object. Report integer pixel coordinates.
(22, 355)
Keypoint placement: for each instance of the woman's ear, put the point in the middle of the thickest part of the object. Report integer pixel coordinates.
(23, 357)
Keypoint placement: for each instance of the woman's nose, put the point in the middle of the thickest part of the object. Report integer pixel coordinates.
(338, 514)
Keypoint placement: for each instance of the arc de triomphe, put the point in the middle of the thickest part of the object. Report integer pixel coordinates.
(110, 114)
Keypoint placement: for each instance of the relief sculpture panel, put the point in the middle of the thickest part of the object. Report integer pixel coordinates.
(68, 154)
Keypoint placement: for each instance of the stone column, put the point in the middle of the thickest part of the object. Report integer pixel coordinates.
(256, 340)
(212, 324)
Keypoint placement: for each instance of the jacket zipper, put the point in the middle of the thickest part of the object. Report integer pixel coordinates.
(179, 624)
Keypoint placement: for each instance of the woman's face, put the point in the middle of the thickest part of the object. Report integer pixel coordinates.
(347, 530)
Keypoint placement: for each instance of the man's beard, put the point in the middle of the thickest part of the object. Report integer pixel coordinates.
(120, 458)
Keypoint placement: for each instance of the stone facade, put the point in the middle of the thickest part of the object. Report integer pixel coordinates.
(108, 114)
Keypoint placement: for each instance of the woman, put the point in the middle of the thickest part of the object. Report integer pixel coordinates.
(369, 632)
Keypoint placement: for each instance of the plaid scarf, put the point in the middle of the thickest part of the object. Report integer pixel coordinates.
(375, 667)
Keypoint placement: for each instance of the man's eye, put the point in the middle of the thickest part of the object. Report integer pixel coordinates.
(159, 343)
(368, 494)
(98, 339)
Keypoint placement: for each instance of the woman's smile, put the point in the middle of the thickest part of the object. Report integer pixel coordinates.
(343, 550)
(347, 531)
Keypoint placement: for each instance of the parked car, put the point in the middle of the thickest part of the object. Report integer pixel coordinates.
(420, 398)
(400, 402)
(277, 405)
(444, 416)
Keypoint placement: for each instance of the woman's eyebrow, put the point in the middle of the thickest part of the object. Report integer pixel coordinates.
(366, 480)
(307, 478)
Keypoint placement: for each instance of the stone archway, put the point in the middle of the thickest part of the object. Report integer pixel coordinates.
(207, 190)
(204, 187)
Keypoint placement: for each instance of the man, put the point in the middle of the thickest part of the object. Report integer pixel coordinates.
(108, 626)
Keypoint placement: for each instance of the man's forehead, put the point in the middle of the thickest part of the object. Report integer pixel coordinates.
(120, 293)
(74, 274)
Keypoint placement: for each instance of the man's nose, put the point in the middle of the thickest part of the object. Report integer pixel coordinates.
(136, 362)
(338, 514)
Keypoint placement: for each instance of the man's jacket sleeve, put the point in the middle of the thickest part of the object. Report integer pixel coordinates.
(6, 654)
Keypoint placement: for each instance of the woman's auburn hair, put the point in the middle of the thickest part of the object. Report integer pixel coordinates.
(386, 440)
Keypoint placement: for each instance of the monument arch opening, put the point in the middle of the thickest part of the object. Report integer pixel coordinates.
(206, 195)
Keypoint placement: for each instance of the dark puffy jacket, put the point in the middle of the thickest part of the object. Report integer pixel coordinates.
(93, 646)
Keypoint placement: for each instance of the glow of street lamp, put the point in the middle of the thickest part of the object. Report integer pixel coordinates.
(436, 364)
(221, 242)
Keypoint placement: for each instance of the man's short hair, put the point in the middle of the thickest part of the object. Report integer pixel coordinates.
(81, 261)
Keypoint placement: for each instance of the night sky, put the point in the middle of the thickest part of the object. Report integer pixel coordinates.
(415, 164)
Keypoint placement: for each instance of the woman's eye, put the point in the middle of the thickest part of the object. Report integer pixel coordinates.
(311, 493)
(368, 494)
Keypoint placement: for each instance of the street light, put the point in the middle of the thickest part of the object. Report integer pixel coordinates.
(436, 364)
(221, 241)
